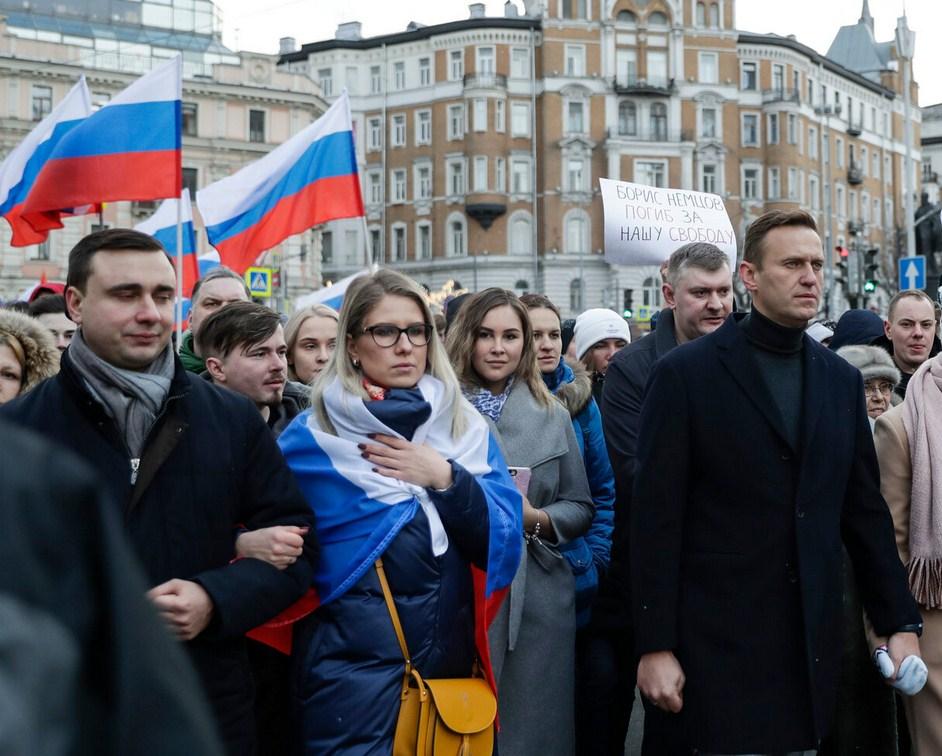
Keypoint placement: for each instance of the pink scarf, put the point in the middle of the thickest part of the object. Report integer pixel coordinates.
(922, 418)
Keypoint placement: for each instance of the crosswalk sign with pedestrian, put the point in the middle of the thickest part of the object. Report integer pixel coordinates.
(259, 281)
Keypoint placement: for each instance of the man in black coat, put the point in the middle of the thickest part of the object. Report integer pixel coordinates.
(189, 464)
(755, 461)
(698, 290)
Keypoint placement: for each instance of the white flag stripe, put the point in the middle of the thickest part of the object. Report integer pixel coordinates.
(162, 84)
(166, 215)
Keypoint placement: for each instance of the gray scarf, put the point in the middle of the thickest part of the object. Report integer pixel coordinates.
(132, 398)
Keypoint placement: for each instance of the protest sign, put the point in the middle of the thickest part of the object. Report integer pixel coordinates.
(645, 224)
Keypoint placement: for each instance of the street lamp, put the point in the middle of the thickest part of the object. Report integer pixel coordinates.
(905, 47)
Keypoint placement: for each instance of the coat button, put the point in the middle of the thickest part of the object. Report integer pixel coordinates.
(786, 457)
(801, 514)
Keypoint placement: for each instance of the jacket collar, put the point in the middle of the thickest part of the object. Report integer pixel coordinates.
(665, 334)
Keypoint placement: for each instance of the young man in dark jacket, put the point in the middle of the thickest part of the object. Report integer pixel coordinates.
(188, 464)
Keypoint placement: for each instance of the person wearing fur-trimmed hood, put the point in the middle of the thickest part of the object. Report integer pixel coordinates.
(28, 354)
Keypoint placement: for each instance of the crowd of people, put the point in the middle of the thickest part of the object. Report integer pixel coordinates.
(734, 515)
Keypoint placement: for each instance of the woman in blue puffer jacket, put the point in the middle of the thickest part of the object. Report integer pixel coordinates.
(588, 556)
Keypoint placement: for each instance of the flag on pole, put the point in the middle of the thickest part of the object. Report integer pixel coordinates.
(19, 170)
(129, 149)
(162, 225)
(310, 179)
(332, 295)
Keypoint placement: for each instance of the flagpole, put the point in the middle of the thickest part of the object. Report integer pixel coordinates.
(179, 266)
(366, 243)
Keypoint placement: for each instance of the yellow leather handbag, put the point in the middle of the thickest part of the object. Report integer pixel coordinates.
(438, 717)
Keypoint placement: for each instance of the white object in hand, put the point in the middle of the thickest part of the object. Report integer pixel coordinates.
(912, 676)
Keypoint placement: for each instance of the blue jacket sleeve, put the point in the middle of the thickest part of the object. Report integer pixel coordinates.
(601, 484)
(464, 513)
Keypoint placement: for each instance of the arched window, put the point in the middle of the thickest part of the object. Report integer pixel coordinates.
(521, 234)
(457, 236)
(576, 295)
(657, 19)
(659, 122)
(715, 16)
(577, 233)
(701, 14)
(626, 17)
(627, 119)
(651, 292)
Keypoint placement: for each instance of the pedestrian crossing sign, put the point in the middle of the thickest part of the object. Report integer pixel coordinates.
(259, 281)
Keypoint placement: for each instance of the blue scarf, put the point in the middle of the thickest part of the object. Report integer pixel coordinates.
(488, 404)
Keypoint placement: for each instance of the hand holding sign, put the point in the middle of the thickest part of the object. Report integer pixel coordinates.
(645, 224)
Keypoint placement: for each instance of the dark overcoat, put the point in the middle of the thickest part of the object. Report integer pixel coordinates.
(736, 540)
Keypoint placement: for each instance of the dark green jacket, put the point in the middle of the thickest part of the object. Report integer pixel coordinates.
(190, 359)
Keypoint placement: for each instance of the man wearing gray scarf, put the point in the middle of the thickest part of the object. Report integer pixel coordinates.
(189, 464)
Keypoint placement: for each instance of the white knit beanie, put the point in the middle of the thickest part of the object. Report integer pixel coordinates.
(596, 325)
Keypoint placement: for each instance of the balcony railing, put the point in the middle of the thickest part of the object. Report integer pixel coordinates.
(485, 81)
(854, 174)
(653, 135)
(780, 94)
(854, 128)
(634, 84)
(930, 177)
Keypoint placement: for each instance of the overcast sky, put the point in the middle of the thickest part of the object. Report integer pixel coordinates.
(258, 24)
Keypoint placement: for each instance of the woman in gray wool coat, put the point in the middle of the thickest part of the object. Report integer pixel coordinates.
(533, 638)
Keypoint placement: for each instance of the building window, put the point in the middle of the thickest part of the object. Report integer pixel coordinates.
(398, 131)
(42, 251)
(778, 78)
(701, 14)
(500, 175)
(399, 75)
(865, 207)
(327, 247)
(456, 121)
(480, 173)
(576, 295)
(577, 233)
(657, 19)
(576, 175)
(42, 101)
(325, 77)
(456, 65)
(750, 130)
(423, 182)
(479, 114)
(575, 9)
(876, 165)
(456, 182)
(190, 180)
(423, 127)
(500, 115)
(709, 68)
(188, 111)
(708, 123)
(351, 244)
(651, 173)
(749, 78)
(775, 188)
(813, 143)
(714, 16)
(423, 241)
(376, 80)
(575, 121)
(520, 119)
(626, 17)
(793, 183)
(750, 183)
(864, 161)
(257, 126)
(627, 119)
(657, 68)
(659, 122)
(485, 64)
(773, 128)
(425, 72)
(457, 236)
(839, 149)
(399, 185)
(792, 128)
(519, 63)
(708, 178)
(521, 234)
(376, 245)
(374, 134)
(520, 176)
(575, 60)
(813, 191)
(398, 251)
(375, 188)
(651, 292)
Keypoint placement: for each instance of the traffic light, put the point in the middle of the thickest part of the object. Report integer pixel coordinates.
(842, 257)
(627, 308)
(871, 269)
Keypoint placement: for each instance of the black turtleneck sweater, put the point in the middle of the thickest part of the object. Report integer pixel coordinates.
(777, 350)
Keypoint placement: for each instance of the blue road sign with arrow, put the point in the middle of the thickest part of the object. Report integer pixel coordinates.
(912, 272)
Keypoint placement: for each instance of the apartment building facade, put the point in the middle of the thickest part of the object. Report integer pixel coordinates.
(482, 140)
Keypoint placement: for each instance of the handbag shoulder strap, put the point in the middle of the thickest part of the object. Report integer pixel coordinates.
(393, 614)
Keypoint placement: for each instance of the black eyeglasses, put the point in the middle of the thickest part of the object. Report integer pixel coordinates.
(387, 335)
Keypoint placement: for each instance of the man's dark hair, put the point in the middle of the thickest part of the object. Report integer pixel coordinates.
(48, 304)
(17, 307)
(239, 324)
(109, 240)
(760, 227)
(219, 272)
(701, 255)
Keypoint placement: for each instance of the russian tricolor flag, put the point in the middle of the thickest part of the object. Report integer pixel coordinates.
(162, 225)
(19, 170)
(310, 179)
(127, 150)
